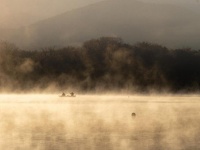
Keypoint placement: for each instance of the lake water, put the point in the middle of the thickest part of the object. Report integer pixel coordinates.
(49, 122)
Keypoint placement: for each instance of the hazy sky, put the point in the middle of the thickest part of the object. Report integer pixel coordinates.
(16, 13)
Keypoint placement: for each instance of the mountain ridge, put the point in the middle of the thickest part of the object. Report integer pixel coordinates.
(133, 21)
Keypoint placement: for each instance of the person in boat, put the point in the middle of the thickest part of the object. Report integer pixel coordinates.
(63, 94)
(72, 94)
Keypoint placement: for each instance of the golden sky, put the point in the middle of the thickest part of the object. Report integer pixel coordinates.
(16, 13)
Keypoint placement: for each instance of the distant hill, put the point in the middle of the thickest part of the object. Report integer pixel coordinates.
(131, 20)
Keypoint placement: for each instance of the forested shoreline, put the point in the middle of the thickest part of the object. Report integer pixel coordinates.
(104, 64)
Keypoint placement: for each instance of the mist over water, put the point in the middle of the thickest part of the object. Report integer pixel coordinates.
(49, 122)
(51, 47)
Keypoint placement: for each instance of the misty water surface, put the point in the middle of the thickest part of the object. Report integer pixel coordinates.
(48, 122)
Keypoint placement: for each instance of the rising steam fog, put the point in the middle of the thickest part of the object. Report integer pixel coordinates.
(47, 122)
(100, 65)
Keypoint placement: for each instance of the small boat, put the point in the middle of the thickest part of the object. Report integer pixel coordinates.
(67, 96)
(71, 95)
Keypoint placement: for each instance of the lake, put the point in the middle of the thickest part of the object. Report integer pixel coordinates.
(49, 122)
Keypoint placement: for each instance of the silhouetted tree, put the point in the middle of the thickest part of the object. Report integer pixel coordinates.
(106, 63)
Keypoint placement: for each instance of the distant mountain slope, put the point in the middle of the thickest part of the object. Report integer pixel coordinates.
(129, 19)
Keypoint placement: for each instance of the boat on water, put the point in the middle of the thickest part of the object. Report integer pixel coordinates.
(70, 95)
(67, 96)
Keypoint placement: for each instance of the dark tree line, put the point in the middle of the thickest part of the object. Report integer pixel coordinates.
(101, 64)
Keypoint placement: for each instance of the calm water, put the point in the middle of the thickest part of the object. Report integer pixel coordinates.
(48, 122)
